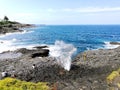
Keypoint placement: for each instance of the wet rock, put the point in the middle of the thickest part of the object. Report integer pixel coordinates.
(115, 43)
(41, 53)
(40, 47)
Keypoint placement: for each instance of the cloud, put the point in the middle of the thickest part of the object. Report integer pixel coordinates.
(51, 10)
(92, 9)
(24, 14)
(23, 17)
(83, 10)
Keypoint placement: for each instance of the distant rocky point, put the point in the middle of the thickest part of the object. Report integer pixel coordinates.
(7, 26)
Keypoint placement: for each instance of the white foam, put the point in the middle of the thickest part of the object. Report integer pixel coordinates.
(8, 34)
(110, 46)
(10, 45)
(63, 53)
(14, 39)
(5, 45)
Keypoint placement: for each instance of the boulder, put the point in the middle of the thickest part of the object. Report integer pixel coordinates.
(115, 43)
(40, 53)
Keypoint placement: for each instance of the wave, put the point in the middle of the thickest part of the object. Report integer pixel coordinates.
(6, 45)
(63, 53)
(110, 46)
(8, 34)
(10, 45)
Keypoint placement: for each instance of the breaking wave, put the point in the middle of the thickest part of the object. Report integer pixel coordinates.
(110, 46)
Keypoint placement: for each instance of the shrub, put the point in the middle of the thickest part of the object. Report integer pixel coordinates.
(6, 18)
(15, 84)
(112, 79)
(7, 23)
(112, 76)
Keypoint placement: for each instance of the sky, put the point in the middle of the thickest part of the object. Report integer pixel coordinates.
(61, 12)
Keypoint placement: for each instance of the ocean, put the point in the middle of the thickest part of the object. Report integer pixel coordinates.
(79, 37)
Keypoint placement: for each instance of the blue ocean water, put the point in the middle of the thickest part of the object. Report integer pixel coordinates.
(83, 37)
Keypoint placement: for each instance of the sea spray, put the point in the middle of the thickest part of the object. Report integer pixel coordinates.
(14, 44)
(63, 53)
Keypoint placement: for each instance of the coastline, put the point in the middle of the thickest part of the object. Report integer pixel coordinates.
(89, 69)
(88, 73)
(13, 27)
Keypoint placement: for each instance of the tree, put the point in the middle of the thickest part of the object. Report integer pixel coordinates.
(6, 18)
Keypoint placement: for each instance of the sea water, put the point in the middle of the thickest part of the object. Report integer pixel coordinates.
(64, 41)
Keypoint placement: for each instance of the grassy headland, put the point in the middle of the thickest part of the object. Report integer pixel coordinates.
(7, 26)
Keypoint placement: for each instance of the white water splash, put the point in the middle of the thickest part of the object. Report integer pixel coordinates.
(110, 46)
(63, 53)
(10, 45)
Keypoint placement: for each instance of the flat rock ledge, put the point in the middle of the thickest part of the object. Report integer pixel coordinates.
(88, 70)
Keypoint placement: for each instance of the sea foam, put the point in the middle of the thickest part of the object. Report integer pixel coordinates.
(10, 45)
(6, 45)
(110, 46)
(63, 53)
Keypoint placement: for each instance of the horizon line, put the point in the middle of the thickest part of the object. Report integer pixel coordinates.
(75, 24)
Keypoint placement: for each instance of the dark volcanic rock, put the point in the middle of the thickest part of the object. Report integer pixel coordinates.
(40, 47)
(77, 77)
(88, 70)
(34, 53)
(115, 43)
(11, 27)
(41, 53)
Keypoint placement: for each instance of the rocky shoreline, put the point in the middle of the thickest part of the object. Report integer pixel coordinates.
(88, 70)
(11, 27)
